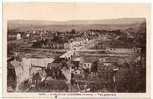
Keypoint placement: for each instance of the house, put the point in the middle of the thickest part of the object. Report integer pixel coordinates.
(82, 62)
(68, 55)
(18, 36)
(87, 62)
(66, 46)
(107, 63)
(76, 61)
(86, 65)
(124, 50)
(34, 32)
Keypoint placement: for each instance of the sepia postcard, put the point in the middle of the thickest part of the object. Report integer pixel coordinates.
(76, 50)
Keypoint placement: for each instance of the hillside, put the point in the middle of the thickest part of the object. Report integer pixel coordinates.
(80, 25)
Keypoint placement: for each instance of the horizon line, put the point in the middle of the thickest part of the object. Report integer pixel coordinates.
(76, 19)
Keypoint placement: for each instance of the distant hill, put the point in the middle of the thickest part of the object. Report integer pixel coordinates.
(75, 24)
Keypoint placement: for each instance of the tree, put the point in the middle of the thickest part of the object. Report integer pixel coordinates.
(73, 31)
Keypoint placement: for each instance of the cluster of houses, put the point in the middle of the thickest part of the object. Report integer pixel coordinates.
(53, 39)
(74, 41)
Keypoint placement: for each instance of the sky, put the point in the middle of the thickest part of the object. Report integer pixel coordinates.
(73, 11)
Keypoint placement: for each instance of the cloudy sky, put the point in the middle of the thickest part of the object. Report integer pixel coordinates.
(73, 11)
